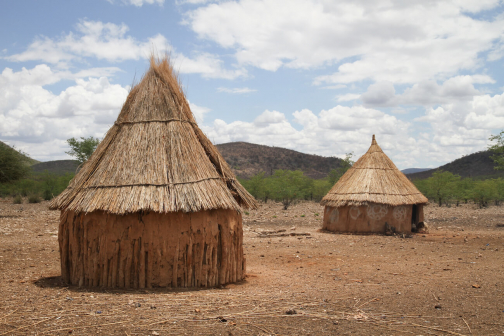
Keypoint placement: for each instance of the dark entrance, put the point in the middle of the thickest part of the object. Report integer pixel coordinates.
(414, 218)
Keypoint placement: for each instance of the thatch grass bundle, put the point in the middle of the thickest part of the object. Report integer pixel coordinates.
(373, 179)
(155, 158)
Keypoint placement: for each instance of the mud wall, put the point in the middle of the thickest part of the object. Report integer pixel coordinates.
(369, 218)
(202, 249)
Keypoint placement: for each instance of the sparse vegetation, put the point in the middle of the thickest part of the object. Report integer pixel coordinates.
(34, 198)
(445, 188)
(18, 199)
(82, 149)
(498, 150)
(45, 184)
(13, 165)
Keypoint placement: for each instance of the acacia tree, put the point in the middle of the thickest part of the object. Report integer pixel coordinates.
(441, 186)
(484, 191)
(82, 149)
(288, 186)
(498, 150)
(335, 174)
(13, 165)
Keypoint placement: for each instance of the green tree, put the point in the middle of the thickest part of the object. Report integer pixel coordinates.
(82, 149)
(441, 186)
(287, 186)
(13, 165)
(484, 191)
(346, 163)
(498, 150)
(463, 189)
(499, 184)
(256, 185)
(321, 188)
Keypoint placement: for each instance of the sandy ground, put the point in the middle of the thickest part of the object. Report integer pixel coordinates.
(446, 282)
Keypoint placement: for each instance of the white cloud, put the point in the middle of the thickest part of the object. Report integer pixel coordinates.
(348, 97)
(110, 42)
(105, 41)
(31, 114)
(199, 112)
(332, 132)
(426, 93)
(452, 130)
(208, 65)
(400, 42)
(236, 90)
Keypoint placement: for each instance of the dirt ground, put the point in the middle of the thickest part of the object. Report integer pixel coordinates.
(446, 282)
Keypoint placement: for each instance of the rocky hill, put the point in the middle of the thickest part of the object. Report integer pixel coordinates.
(247, 159)
(58, 167)
(477, 165)
(29, 161)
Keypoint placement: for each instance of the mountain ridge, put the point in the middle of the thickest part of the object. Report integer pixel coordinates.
(476, 165)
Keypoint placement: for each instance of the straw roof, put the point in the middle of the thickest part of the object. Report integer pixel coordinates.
(155, 158)
(373, 179)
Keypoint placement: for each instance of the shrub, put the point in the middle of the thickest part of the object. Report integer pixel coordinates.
(34, 199)
(47, 195)
(18, 199)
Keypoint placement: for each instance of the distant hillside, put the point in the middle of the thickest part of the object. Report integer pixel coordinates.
(414, 170)
(247, 159)
(476, 165)
(29, 161)
(58, 167)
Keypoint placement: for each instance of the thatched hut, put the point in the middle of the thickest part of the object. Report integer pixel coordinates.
(373, 196)
(156, 205)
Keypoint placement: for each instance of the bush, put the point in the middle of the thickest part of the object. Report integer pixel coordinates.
(34, 198)
(17, 199)
(47, 195)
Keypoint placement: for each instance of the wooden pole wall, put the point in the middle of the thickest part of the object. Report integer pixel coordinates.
(202, 249)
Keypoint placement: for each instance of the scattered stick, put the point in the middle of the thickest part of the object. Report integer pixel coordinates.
(27, 326)
(467, 324)
(261, 328)
(12, 312)
(365, 303)
(291, 234)
(437, 329)
(83, 327)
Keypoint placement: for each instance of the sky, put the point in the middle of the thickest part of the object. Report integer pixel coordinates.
(317, 76)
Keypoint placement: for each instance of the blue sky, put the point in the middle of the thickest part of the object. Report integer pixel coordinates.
(317, 76)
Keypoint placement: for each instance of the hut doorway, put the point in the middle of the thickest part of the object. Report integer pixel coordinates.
(414, 218)
(414, 214)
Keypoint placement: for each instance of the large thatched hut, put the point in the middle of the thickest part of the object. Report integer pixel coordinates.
(156, 205)
(373, 196)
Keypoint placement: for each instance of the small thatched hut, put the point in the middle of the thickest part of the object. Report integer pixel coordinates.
(156, 205)
(373, 196)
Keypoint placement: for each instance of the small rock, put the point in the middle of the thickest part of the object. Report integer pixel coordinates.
(291, 312)
(293, 228)
(154, 333)
(137, 305)
(437, 306)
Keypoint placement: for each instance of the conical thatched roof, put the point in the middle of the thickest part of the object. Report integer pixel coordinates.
(373, 179)
(155, 158)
